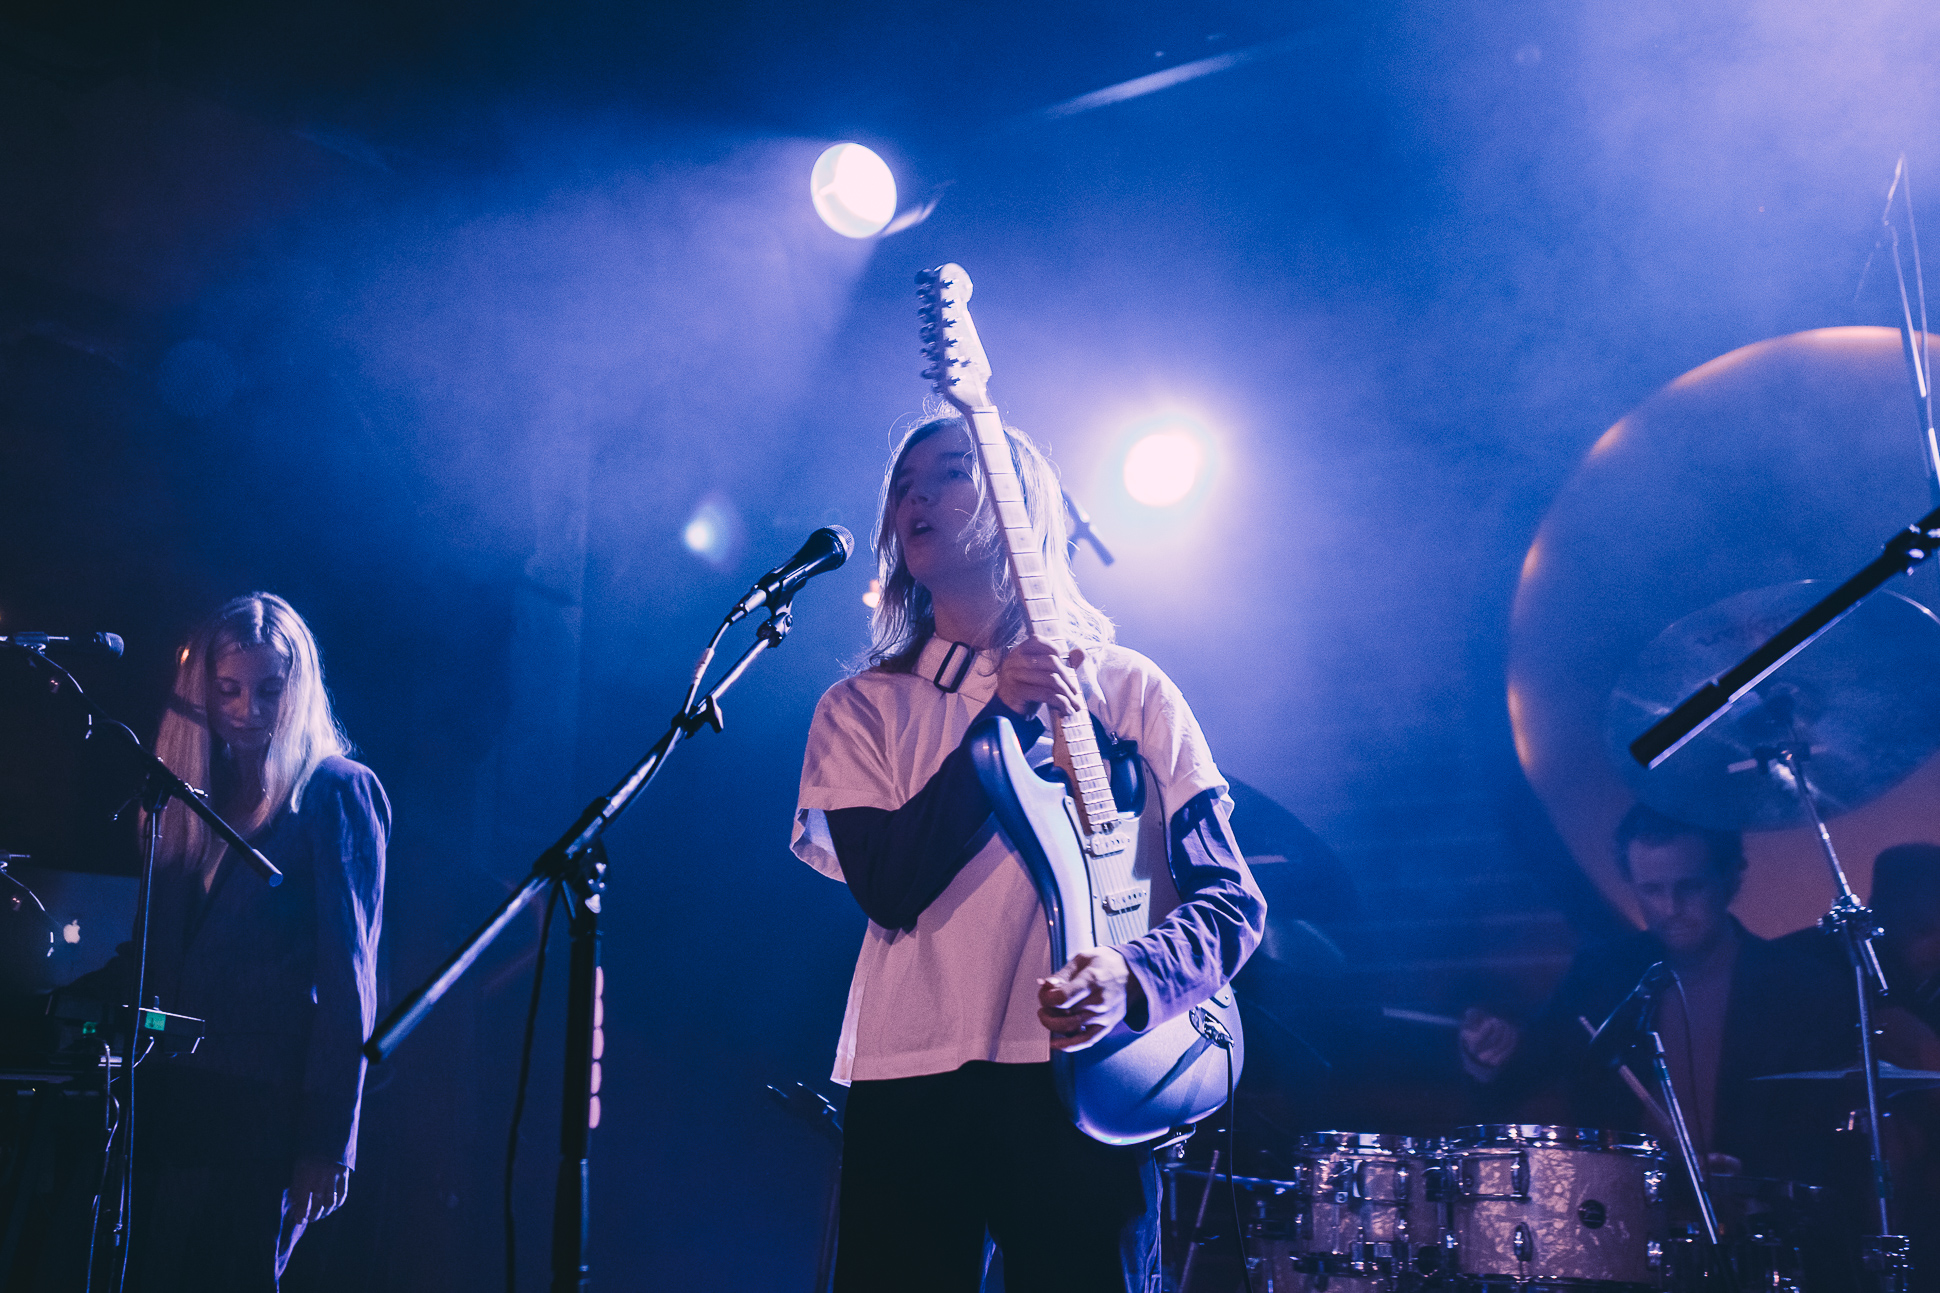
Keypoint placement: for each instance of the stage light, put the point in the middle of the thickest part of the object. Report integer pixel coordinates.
(1164, 465)
(872, 598)
(853, 191)
(711, 532)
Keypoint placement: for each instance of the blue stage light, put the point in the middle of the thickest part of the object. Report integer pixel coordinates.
(853, 191)
(1167, 461)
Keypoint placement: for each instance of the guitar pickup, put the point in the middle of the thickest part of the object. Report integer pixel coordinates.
(1117, 904)
(1114, 839)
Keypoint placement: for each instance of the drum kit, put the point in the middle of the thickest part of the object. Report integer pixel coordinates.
(1485, 1209)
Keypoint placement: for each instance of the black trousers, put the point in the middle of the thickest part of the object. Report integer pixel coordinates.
(930, 1164)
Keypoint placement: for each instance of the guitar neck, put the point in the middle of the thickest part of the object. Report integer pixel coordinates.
(1074, 743)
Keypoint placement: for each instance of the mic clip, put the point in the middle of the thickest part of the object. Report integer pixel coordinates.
(707, 713)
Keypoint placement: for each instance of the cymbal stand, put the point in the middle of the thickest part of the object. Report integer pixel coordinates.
(1883, 1254)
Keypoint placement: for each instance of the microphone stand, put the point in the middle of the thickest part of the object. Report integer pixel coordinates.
(576, 865)
(1081, 531)
(159, 785)
(1681, 1133)
(1644, 1029)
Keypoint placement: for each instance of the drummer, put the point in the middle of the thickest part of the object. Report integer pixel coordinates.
(1906, 901)
(1747, 1007)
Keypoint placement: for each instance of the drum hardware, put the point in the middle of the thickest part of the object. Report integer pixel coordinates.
(1199, 1223)
(1893, 1080)
(1467, 1179)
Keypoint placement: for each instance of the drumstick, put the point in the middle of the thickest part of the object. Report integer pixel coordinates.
(1637, 1088)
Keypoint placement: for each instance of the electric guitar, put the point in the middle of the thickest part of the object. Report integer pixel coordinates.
(1083, 854)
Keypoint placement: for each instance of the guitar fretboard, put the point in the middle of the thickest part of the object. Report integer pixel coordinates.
(1074, 743)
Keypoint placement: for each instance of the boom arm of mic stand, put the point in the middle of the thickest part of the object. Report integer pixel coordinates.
(1903, 552)
(162, 783)
(173, 787)
(561, 861)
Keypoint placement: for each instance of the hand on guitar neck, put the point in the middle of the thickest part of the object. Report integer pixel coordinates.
(1035, 673)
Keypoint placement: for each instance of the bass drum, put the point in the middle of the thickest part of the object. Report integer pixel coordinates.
(1554, 1205)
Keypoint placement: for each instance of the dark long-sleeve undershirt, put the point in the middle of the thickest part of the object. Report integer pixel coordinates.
(899, 861)
(1200, 945)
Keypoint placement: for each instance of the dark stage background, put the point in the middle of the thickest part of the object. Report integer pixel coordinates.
(442, 320)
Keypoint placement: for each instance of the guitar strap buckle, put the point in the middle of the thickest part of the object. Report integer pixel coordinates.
(961, 665)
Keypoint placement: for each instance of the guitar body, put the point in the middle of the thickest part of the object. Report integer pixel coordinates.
(1126, 1087)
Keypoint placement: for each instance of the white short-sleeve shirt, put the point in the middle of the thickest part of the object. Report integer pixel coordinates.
(962, 985)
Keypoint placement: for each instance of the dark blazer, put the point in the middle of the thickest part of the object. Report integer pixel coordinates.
(1789, 1010)
(285, 977)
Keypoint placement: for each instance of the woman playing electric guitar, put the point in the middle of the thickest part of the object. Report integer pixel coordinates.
(953, 1127)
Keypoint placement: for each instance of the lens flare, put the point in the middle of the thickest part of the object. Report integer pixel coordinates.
(853, 191)
(1163, 468)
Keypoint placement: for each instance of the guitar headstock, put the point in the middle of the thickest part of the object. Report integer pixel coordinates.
(959, 369)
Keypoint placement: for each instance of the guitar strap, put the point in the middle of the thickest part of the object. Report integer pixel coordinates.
(1121, 757)
(955, 665)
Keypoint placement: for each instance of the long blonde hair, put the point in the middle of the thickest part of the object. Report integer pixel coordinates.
(306, 731)
(905, 617)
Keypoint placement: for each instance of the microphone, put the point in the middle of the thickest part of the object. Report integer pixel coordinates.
(108, 642)
(826, 549)
(1610, 1041)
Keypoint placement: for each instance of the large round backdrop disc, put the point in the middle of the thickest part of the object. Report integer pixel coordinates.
(1862, 703)
(1794, 458)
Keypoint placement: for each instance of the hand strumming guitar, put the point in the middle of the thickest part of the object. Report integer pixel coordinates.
(1034, 673)
(1081, 1002)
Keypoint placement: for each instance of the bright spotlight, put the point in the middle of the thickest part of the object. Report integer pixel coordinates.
(1163, 467)
(710, 533)
(853, 191)
(703, 534)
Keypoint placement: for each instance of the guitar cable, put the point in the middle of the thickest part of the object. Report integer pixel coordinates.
(518, 1097)
(1219, 1037)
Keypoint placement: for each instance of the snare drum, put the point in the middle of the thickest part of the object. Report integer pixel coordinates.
(1533, 1203)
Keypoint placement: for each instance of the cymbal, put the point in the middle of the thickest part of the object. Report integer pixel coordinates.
(1864, 699)
(1893, 1080)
